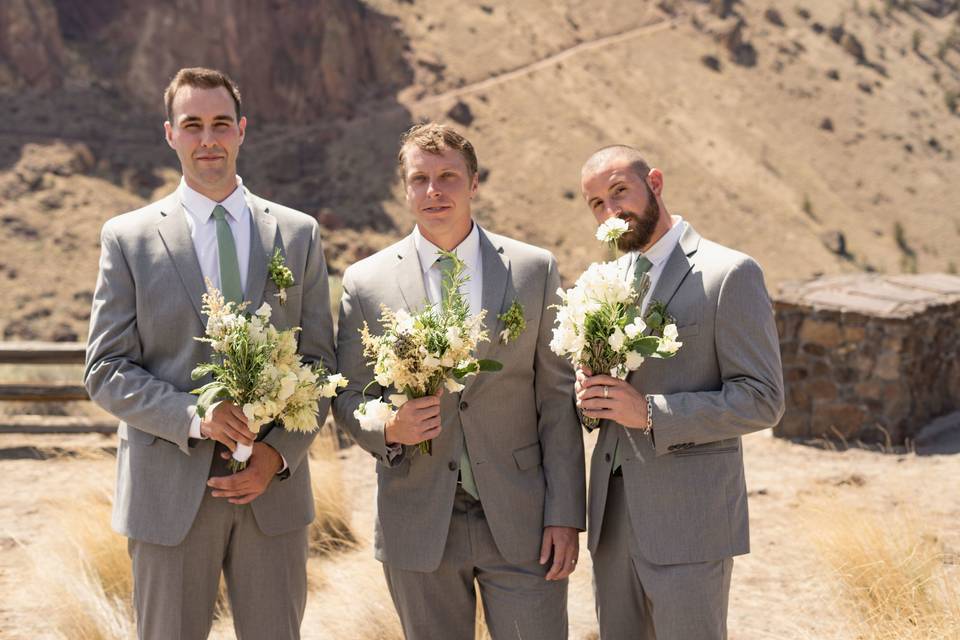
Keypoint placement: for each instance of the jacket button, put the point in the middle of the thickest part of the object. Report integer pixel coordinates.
(463, 406)
(606, 457)
(452, 465)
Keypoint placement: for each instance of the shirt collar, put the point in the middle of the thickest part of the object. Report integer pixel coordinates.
(468, 251)
(661, 250)
(201, 207)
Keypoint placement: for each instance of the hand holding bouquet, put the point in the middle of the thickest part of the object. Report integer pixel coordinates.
(257, 367)
(599, 322)
(419, 353)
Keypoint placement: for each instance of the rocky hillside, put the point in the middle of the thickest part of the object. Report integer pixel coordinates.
(819, 136)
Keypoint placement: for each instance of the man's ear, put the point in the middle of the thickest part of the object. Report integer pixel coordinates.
(474, 184)
(242, 125)
(168, 132)
(655, 181)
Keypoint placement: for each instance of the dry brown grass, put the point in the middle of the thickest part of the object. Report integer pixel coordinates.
(331, 529)
(84, 567)
(895, 579)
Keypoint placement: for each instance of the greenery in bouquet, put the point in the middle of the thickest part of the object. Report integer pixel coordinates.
(257, 367)
(419, 353)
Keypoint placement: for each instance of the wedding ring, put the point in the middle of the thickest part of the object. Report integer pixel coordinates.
(606, 392)
(574, 561)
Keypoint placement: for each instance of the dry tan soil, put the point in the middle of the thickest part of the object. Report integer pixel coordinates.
(781, 590)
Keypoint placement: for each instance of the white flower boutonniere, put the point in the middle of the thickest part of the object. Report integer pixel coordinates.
(513, 321)
(280, 274)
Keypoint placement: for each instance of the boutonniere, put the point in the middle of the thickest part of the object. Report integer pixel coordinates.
(663, 325)
(280, 274)
(657, 317)
(514, 322)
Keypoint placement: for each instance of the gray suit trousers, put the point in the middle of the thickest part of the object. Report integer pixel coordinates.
(517, 602)
(175, 588)
(639, 600)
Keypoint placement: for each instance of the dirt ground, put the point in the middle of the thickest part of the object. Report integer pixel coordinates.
(781, 590)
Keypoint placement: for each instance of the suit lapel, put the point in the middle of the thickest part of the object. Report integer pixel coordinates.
(496, 276)
(263, 227)
(410, 276)
(175, 234)
(678, 266)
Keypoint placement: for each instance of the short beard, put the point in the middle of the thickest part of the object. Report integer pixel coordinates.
(643, 227)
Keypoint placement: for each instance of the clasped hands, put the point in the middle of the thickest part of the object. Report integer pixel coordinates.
(227, 424)
(608, 398)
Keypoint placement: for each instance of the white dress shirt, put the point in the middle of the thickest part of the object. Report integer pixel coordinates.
(658, 255)
(203, 232)
(203, 229)
(468, 251)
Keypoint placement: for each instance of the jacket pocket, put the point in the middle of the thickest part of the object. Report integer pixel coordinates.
(528, 457)
(709, 448)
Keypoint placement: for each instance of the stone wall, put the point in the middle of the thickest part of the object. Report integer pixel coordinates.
(869, 357)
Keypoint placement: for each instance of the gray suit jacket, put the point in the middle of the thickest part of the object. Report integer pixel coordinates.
(141, 350)
(521, 429)
(685, 485)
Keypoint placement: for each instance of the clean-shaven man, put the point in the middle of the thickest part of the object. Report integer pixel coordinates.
(186, 517)
(501, 500)
(668, 504)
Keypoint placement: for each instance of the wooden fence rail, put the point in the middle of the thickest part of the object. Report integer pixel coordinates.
(47, 353)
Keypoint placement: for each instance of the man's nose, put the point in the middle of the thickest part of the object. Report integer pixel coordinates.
(207, 137)
(613, 210)
(432, 189)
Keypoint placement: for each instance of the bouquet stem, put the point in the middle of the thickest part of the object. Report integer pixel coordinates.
(426, 447)
(238, 461)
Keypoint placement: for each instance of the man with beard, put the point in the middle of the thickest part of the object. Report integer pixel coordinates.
(668, 502)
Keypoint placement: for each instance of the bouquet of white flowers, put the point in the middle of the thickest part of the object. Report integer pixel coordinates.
(418, 353)
(599, 324)
(258, 368)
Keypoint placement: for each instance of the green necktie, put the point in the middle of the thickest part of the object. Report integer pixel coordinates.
(467, 480)
(641, 266)
(229, 266)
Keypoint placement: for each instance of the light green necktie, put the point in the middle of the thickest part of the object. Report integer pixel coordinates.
(229, 266)
(467, 480)
(641, 266)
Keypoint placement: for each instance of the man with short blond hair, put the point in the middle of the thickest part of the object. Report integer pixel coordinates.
(500, 501)
(186, 517)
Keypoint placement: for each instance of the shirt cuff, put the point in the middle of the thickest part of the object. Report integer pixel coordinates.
(195, 428)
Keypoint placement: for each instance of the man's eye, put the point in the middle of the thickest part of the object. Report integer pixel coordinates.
(192, 125)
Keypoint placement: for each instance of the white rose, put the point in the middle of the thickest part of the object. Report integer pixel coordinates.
(373, 414)
(264, 311)
(398, 399)
(404, 321)
(634, 360)
(635, 328)
(452, 385)
(617, 339)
